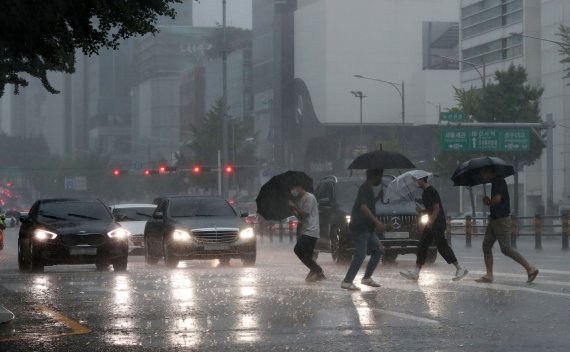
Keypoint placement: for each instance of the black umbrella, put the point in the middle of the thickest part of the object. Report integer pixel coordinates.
(469, 172)
(381, 159)
(272, 200)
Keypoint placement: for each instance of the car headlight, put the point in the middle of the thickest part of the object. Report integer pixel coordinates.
(246, 234)
(119, 233)
(181, 235)
(424, 219)
(44, 235)
(347, 217)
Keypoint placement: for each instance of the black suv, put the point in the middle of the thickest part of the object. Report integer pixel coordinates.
(336, 197)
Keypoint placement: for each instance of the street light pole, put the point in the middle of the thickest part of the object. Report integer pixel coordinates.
(483, 75)
(358, 94)
(395, 85)
(224, 156)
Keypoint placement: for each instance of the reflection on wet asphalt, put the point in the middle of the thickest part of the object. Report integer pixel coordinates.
(202, 305)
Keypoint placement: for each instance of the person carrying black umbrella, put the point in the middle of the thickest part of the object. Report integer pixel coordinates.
(364, 225)
(499, 227)
(306, 209)
(435, 228)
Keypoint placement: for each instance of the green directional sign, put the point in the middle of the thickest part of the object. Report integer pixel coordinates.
(452, 116)
(471, 139)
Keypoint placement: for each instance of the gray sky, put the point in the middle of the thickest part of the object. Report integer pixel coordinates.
(209, 12)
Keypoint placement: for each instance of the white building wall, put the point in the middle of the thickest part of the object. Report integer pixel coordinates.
(337, 39)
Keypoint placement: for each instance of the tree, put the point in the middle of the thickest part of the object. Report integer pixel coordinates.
(510, 99)
(564, 50)
(207, 140)
(37, 36)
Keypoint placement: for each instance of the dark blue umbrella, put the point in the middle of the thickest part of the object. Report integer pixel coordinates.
(469, 173)
(273, 198)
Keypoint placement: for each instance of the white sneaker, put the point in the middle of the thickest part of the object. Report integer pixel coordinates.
(460, 274)
(349, 286)
(410, 275)
(369, 282)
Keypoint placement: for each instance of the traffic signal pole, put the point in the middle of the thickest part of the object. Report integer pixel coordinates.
(219, 174)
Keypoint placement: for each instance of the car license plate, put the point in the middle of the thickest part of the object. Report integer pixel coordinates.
(396, 235)
(216, 246)
(83, 251)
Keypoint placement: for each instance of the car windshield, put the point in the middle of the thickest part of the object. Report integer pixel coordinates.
(191, 207)
(73, 210)
(133, 214)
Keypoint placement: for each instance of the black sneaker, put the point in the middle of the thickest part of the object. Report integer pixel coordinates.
(311, 277)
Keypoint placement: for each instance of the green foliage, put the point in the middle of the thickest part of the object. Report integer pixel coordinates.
(207, 140)
(510, 99)
(38, 36)
(564, 50)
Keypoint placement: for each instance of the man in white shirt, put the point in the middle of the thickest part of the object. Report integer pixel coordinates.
(305, 208)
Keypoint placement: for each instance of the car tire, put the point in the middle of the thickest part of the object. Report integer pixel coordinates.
(121, 263)
(431, 255)
(338, 242)
(102, 265)
(169, 261)
(36, 264)
(149, 259)
(23, 260)
(249, 260)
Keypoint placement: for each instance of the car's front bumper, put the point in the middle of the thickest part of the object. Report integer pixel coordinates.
(54, 252)
(196, 250)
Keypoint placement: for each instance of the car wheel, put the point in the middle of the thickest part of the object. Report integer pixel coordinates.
(249, 260)
(102, 265)
(23, 260)
(36, 263)
(169, 260)
(121, 263)
(338, 245)
(431, 255)
(148, 257)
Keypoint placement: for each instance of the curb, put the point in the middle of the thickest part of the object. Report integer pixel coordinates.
(5, 315)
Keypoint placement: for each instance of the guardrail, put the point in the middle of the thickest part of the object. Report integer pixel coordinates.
(538, 226)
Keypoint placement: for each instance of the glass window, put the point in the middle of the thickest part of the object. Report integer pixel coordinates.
(73, 210)
(513, 17)
(134, 214)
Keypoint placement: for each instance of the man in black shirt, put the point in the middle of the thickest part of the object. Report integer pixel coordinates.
(364, 225)
(499, 227)
(434, 228)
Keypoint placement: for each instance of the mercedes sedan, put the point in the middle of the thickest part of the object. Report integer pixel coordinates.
(71, 231)
(187, 227)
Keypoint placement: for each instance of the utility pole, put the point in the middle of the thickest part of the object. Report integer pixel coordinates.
(358, 94)
(549, 166)
(225, 178)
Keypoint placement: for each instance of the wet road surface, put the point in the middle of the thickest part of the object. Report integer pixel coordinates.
(203, 306)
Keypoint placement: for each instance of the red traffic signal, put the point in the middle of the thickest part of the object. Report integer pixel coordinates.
(119, 172)
(229, 169)
(197, 169)
(162, 169)
(149, 172)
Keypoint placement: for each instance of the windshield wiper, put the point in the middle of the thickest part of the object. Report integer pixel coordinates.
(52, 217)
(143, 214)
(203, 215)
(83, 216)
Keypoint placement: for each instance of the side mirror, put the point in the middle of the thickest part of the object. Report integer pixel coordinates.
(244, 215)
(325, 202)
(24, 219)
(158, 215)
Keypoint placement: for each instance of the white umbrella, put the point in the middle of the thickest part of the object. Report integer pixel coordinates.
(404, 186)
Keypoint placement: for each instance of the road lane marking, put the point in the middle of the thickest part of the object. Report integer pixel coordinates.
(75, 327)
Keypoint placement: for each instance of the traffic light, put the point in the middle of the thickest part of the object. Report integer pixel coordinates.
(149, 172)
(229, 169)
(119, 172)
(164, 169)
(197, 169)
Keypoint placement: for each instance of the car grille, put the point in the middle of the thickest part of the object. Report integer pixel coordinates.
(399, 222)
(89, 239)
(215, 236)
